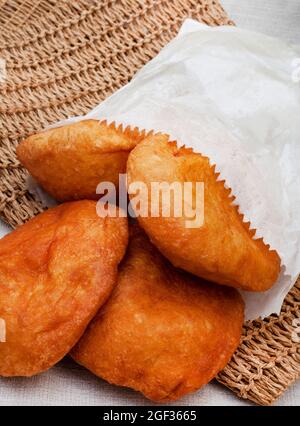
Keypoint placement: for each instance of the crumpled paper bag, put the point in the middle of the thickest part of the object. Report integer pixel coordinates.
(233, 95)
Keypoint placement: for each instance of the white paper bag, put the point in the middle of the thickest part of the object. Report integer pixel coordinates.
(233, 95)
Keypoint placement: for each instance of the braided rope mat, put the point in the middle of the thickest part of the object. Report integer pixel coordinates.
(63, 58)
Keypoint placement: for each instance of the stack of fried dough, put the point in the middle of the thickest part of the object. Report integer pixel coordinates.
(152, 305)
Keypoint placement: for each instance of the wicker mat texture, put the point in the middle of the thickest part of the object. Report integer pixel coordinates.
(62, 58)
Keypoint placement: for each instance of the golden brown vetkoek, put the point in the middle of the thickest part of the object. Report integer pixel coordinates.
(55, 273)
(70, 161)
(162, 332)
(223, 249)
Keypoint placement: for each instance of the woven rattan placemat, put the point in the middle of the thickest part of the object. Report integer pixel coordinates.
(62, 58)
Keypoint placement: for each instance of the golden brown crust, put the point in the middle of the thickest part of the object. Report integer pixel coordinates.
(162, 332)
(55, 273)
(70, 161)
(223, 249)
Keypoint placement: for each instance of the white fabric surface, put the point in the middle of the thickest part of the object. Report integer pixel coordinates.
(68, 384)
(278, 18)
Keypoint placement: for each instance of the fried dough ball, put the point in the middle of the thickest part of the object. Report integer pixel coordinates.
(222, 249)
(55, 273)
(70, 161)
(162, 332)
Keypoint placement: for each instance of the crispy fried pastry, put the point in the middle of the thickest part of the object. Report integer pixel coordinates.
(55, 273)
(70, 161)
(222, 249)
(162, 332)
